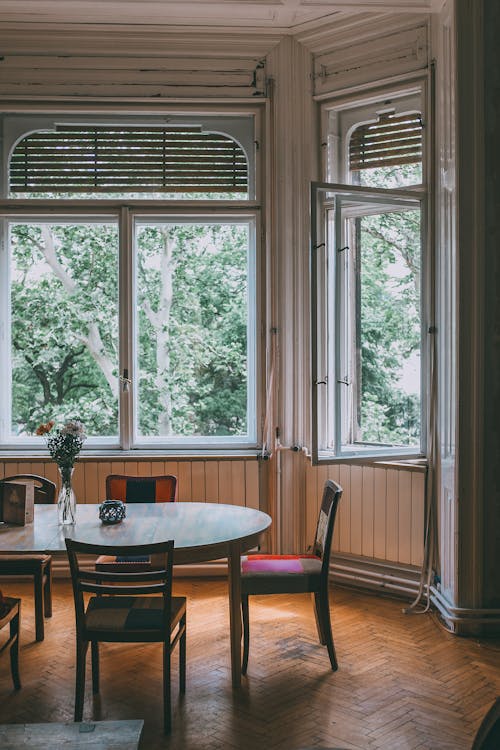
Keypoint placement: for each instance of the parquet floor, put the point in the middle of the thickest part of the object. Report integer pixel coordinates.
(403, 682)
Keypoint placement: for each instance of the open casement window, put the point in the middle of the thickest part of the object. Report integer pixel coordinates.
(366, 271)
(128, 281)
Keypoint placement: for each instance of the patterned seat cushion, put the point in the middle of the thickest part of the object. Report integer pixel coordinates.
(126, 613)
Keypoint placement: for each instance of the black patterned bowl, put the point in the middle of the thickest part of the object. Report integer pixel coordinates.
(112, 511)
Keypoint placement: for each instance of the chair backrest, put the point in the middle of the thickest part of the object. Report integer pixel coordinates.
(45, 490)
(160, 489)
(332, 493)
(151, 581)
(488, 735)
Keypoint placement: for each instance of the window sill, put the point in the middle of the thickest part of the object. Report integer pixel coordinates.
(143, 455)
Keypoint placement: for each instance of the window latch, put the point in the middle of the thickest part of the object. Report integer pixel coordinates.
(342, 249)
(125, 381)
(344, 382)
(321, 382)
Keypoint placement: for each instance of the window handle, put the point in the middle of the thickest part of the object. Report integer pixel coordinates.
(125, 381)
(344, 382)
(321, 382)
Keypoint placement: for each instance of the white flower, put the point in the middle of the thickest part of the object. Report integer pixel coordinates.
(73, 427)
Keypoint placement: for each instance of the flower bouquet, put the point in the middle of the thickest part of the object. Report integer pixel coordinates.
(64, 445)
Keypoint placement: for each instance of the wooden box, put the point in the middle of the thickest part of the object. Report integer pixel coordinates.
(17, 503)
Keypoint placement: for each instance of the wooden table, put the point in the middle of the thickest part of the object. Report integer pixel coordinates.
(201, 532)
(95, 735)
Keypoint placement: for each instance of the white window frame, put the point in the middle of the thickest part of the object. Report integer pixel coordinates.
(339, 118)
(125, 212)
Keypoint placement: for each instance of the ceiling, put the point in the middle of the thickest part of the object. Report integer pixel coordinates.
(285, 15)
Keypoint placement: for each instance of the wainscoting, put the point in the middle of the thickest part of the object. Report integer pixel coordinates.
(379, 534)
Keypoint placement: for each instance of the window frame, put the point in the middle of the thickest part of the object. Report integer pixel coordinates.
(124, 212)
(339, 118)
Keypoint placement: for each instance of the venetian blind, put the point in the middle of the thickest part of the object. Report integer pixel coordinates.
(75, 159)
(391, 141)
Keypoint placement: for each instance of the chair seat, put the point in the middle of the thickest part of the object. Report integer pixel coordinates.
(112, 564)
(262, 574)
(125, 613)
(21, 564)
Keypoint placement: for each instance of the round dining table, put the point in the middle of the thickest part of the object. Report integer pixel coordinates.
(200, 531)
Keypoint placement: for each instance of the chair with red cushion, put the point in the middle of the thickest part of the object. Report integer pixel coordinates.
(296, 574)
(159, 489)
(10, 613)
(38, 566)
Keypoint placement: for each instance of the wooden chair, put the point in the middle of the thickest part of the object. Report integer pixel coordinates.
(159, 489)
(294, 574)
(10, 613)
(488, 734)
(131, 612)
(38, 566)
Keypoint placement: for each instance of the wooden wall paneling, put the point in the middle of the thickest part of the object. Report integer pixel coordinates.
(91, 481)
(12, 468)
(184, 481)
(225, 482)
(198, 491)
(237, 482)
(392, 517)
(103, 470)
(172, 468)
(212, 481)
(157, 468)
(357, 508)
(380, 513)
(51, 472)
(78, 482)
(118, 467)
(252, 484)
(334, 475)
(38, 467)
(404, 516)
(367, 531)
(144, 469)
(344, 519)
(312, 492)
(417, 518)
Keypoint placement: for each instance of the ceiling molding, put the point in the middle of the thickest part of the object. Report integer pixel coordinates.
(280, 16)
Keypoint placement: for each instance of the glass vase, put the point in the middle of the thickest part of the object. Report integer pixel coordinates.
(66, 501)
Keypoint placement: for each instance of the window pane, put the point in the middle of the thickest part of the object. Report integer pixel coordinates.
(385, 329)
(394, 177)
(64, 325)
(192, 329)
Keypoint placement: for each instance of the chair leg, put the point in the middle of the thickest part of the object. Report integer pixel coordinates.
(326, 625)
(47, 590)
(81, 654)
(167, 699)
(38, 592)
(317, 615)
(246, 632)
(182, 657)
(94, 646)
(14, 649)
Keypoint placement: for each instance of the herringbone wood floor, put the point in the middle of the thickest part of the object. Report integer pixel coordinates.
(402, 681)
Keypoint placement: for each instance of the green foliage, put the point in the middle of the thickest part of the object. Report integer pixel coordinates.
(52, 313)
(192, 312)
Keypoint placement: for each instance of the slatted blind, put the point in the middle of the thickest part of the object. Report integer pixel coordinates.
(392, 141)
(104, 159)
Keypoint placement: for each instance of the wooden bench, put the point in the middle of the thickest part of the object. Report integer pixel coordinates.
(97, 735)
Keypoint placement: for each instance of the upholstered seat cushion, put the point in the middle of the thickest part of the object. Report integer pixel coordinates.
(125, 613)
(283, 573)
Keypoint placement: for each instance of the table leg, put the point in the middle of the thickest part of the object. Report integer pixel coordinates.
(235, 611)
